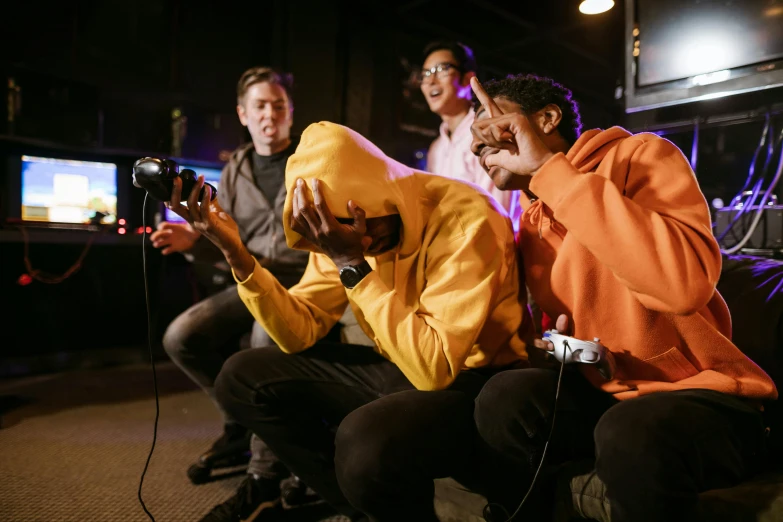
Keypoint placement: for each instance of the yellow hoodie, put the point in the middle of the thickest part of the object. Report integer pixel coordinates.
(446, 299)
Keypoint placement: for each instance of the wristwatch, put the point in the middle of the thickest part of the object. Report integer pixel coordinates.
(352, 275)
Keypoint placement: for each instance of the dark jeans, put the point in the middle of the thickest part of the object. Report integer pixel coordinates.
(349, 423)
(201, 338)
(199, 341)
(654, 453)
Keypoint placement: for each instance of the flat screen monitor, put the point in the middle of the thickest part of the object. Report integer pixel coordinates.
(211, 176)
(55, 190)
(685, 38)
(680, 51)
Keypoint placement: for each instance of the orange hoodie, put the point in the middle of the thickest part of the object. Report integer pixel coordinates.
(620, 241)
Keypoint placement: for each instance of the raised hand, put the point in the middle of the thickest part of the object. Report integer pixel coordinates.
(206, 217)
(520, 150)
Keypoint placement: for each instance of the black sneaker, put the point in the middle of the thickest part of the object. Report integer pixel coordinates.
(254, 497)
(233, 447)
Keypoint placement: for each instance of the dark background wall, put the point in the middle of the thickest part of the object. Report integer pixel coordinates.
(110, 74)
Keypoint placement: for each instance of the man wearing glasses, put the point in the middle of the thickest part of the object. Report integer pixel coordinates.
(445, 83)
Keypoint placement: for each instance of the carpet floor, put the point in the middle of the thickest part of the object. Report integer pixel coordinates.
(73, 446)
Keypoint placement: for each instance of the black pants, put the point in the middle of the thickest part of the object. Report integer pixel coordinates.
(391, 440)
(654, 453)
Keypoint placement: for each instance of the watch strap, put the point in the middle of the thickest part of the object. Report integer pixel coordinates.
(352, 275)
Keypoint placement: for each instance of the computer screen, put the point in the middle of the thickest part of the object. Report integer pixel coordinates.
(684, 38)
(211, 176)
(68, 191)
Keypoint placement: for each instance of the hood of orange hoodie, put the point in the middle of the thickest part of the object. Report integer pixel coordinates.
(350, 167)
(591, 147)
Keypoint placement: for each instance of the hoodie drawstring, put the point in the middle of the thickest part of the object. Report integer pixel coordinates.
(535, 215)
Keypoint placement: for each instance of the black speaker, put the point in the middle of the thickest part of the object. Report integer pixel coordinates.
(768, 234)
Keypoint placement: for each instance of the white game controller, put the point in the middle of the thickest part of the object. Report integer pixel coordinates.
(569, 350)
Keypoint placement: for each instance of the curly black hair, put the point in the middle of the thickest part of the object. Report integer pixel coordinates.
(533, 93)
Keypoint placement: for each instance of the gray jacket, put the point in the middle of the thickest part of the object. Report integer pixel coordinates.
(260, 221)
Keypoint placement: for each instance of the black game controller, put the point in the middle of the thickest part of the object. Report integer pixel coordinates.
(156, 176)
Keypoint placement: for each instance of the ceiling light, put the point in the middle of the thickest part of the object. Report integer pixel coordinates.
(591, 7)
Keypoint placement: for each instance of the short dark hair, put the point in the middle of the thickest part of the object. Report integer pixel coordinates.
(533, 93)
(462, 53)
(256, 75)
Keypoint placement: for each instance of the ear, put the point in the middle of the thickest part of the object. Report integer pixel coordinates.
(548, 118)
(242, 115)
(465, 81)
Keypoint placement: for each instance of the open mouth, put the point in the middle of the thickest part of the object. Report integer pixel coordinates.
(435, 93)
(269, 130)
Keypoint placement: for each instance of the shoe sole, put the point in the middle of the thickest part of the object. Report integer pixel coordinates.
(261, 507)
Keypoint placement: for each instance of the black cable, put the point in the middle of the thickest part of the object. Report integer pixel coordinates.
(766, 131)
(51, 279)
(152, 357)
(773, 145)
(546, 446)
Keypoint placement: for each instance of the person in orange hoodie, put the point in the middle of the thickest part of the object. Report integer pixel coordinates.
(616, 244)
(429, 266)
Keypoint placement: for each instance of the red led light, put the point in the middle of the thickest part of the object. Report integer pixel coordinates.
(121, 231)
(121, 222)
(149, 230)
(24, 280)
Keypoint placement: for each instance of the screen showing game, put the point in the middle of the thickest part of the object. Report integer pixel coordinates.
(211, 176)
(68, 191)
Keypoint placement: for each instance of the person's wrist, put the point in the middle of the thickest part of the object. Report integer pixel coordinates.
(352, 274)
(241, 262)
(235, 252)
(351, 259)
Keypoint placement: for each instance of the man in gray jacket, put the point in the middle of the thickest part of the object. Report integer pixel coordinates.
(252, 191)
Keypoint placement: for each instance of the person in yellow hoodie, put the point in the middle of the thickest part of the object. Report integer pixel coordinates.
(428, 264)
(616, 243)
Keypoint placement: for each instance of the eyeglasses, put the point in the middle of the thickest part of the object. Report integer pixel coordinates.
(442, 70)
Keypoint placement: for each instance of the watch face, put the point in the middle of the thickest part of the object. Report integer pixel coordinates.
(350, 276)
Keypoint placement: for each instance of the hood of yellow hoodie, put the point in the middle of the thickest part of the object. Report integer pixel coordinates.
(350, 167)
(593, 145)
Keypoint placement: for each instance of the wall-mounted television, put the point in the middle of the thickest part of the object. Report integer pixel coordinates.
(56, 190)
(681, 51)
(211, 176)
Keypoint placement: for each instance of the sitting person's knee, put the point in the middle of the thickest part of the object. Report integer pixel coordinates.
(636, 427)
(241, 374)
(176, 339)
(378, 444)
(362, 450)
(498, 414)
